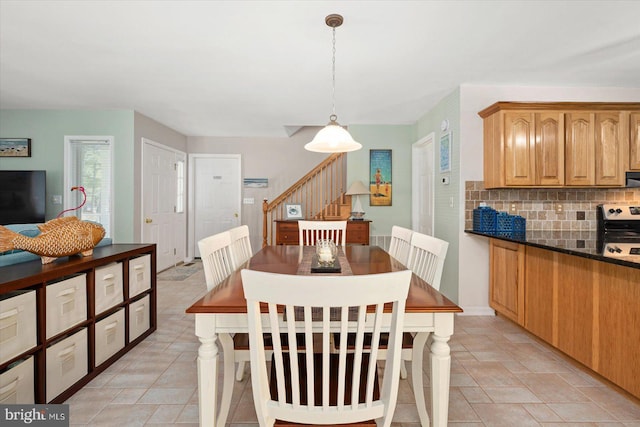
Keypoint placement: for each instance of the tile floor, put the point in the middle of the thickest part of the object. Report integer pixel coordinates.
(500, 376)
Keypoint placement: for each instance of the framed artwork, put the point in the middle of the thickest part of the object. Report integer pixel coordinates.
(256, 182)
(15, 147)
(293, 211)
(445, 152)
(380, 182)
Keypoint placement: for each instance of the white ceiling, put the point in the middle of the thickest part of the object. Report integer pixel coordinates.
(252, 68)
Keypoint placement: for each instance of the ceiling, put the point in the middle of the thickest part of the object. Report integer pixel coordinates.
(263, 68)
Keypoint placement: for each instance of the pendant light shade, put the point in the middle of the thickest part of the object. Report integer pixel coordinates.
(333, 138)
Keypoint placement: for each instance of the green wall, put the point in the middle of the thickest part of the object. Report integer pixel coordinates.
(447, 218)
(47, 129)
(399, 139)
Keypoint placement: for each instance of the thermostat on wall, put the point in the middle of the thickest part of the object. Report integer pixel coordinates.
(444, 125)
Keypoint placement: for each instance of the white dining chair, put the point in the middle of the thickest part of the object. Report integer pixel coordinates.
(400, 245)
(310, 231)
(216, 258)
(427, 258)
(312, 384)
(240, 245)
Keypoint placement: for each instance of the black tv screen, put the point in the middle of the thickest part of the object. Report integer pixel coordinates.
(22, 197)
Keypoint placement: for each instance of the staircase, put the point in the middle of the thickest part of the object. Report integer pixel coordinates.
(320, 192)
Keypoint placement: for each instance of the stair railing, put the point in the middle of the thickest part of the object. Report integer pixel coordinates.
(320, 193)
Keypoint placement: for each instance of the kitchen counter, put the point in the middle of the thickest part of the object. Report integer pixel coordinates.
(580, 243)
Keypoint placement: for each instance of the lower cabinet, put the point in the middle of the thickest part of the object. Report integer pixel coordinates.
(506, 271)
(588, 309)
(63, 323)
(287, 232)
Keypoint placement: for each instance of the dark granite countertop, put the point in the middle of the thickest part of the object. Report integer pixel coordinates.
(579, 243)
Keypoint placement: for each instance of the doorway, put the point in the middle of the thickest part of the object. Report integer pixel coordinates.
(163, 208)
(215, 196)
(422, 178)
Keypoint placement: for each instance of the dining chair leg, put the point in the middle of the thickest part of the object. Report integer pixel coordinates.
(240, 371)
(416, 376)
(227, 385)
(403, 370)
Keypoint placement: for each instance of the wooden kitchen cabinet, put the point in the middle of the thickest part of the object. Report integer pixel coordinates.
(540, 279)
(506, 279)
(634, 141)
(560, 144)
(596, 148)
(287, 232)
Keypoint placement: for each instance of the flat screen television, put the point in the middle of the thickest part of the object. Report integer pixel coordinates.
(22, 197)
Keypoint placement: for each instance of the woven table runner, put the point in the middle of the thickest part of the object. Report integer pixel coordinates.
(304, 268)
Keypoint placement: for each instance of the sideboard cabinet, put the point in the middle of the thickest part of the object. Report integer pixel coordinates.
(63, 323)
(287, 232)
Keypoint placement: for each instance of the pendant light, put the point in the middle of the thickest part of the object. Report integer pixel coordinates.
(333, 138)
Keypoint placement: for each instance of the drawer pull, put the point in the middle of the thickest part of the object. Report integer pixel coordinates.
(138, 309)
(108, 276)
(10, 387)
(67, 292)
(8, 314)
(67, 351)
(138, 266)
(111, 326)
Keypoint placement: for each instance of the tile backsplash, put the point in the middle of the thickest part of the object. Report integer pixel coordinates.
(570, 209)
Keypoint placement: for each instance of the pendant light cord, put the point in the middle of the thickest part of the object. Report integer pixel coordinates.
(333, 70)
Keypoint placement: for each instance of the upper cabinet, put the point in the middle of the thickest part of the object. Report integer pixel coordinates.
(634, 141)
(560, 144)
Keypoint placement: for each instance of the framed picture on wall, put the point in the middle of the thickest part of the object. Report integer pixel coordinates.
(445, 152)
(15, 147)
(380, 182)
(293, 211)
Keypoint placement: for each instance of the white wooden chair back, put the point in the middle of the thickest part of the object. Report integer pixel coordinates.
(240, 245)
(310, 231)
(400, 245)
(216, 258)
(427, 258)
(324, 305)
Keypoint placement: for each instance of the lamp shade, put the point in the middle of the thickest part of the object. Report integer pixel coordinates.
(333, 138)
(357, 187)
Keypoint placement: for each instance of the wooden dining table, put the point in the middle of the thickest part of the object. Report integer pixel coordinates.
(222, 312)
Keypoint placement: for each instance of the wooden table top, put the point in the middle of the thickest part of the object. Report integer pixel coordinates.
(228, 296)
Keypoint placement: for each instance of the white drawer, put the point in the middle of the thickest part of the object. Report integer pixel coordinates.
(109, 336)
(16, 384)
(66, 363)
(18, 322)
(108, 286)
(139, 275)
(139, 315)
(66, 304)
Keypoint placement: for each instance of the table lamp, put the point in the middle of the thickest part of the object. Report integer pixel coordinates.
(356, 189)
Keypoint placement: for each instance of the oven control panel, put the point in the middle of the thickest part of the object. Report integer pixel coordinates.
(630, 251)
(621, 212)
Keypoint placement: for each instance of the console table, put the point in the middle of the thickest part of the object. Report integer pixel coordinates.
(63, 323)
(287, 232)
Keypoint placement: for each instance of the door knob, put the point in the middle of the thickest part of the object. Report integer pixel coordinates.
(148, 220)
(235, 214)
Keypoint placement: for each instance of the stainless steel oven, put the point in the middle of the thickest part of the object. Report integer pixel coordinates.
(619, 231)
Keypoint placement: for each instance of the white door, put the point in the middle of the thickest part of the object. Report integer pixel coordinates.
(163, 220)
(216, 194)
(423, 173)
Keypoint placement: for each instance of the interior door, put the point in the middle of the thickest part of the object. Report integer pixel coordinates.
(423, 185)
(163, 223)
(216, 195)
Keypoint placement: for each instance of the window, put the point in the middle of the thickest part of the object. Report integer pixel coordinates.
(89, 162)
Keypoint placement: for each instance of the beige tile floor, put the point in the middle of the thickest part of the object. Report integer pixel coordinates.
(500, 376)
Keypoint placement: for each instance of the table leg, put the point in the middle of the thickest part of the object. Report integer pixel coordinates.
(416, 376)
(207, 369)
(228, 374)
(441, 369)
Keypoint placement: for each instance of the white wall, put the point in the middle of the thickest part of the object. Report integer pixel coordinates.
(474, 250)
